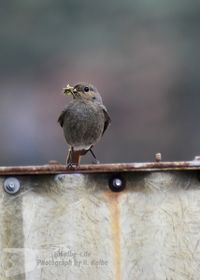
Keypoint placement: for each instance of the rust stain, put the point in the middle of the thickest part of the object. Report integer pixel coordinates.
(113, 204)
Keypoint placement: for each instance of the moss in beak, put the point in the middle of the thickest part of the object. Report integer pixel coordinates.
(68, 90)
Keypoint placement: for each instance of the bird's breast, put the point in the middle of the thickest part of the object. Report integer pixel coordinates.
(83, 123)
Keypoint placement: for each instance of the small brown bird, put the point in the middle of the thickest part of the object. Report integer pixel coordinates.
(84, 121)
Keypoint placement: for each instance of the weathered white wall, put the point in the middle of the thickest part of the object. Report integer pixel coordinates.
(73, 227)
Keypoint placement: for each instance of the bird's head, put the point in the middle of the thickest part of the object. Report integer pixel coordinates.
(83, 91)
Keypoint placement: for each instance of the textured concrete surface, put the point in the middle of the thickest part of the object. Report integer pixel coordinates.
(73, 227)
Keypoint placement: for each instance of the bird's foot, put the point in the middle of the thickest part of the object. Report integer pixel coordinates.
(71, 165)
(95, 161)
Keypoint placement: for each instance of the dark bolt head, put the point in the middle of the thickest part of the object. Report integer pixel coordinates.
(117, 183)
(11, 185)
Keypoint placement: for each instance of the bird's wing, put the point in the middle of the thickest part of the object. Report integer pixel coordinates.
(61, 118)
(107, 118)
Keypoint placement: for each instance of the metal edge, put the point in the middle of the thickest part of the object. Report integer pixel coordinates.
(56, 168)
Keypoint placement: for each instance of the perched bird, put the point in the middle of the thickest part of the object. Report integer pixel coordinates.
(84, 121)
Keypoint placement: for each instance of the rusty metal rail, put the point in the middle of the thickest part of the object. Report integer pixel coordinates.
(55, 167)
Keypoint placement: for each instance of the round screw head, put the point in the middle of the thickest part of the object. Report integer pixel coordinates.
(11, 185)
(60, 177)
(117, 183)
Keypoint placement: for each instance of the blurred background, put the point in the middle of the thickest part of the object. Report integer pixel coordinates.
(143, 56)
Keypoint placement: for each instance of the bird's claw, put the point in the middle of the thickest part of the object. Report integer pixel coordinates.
(95, 161)
(71, 165)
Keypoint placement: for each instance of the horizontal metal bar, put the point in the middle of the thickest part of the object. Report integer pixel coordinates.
(56, 168)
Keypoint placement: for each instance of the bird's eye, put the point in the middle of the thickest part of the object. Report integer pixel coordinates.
(86, 89)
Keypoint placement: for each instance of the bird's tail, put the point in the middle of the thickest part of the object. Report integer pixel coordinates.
(74, 157)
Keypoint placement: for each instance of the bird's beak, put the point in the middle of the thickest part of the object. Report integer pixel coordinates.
(68, 90)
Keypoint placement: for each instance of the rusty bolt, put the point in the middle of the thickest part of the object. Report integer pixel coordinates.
(158, 157)
(117, 183)
(11, 185)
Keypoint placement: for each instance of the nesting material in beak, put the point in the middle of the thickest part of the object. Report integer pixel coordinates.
(68, 90)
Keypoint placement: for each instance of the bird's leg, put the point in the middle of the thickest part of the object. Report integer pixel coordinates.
(69, 162)
(95, 159)
(73, 158)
